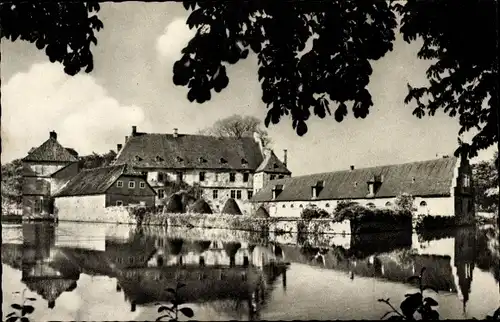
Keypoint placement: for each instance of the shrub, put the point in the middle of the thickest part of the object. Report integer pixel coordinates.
(174, 204)
(434, 222)
(367, 219)
(344, 204)
(231, 207)
(262, 213)
(313, 212)
(200, 207)
(405, 201)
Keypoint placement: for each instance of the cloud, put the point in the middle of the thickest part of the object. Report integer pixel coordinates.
(85, 117)
(175, 37)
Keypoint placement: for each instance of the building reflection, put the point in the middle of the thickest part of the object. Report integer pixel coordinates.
(238, 277)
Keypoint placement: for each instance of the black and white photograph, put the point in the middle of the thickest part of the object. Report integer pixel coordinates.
(250, 160)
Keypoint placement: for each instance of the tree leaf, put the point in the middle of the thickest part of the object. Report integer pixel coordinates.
(25, 319)
(11, 314)
(187, 312)
(16, 306)
(162, 316)
(27, 309)
(12, 319)
(164, 308)
(430, 301)
(31, 299)
(411, 304)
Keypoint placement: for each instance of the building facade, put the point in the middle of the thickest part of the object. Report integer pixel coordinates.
(221, 168)
(440, 187)
(85, 196)
(39, 166)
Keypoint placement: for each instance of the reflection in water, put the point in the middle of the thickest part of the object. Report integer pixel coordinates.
(239, 278)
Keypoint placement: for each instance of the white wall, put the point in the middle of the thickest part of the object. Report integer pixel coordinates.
(80, 208)
(443, 206)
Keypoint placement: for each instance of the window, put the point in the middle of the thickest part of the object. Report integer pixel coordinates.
(138, 158)
(119, 183)
(413, 179)
(131, 184)
(250, 194)
(291, 206)
(281, 176)
(370, 189)
(119, 203)
(466, 180)
(215, 194)
(232, 177)
(222, 160)
(179, 176)
(246, 175)
(160, 176)
(244, 161)
(423, 204)
(202, 176)
(161, 193)
(388, 204)
(300, 206)
(238, 194)
(272, 177)
(216, 177)
(233, 194)
(327, 205)
(159, 158)
(284, 206)
(38, 205)
(370, 205)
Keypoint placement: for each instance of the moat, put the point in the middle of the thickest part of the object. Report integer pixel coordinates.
(118, 272)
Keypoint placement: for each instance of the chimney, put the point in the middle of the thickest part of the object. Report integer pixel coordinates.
(118, 147)
(352, 167)
(134, 130)
(53, 135)
(285, 157)
(176, 134)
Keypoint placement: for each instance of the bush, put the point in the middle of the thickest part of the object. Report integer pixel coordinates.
(231, 207)
(405, 202)
(434, 222)
(365, 219)
(344, 204)
(313, 212)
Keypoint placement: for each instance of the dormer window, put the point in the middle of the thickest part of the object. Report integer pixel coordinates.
(412, 179)
(244, 161)
(371, 189)
(316, 189)
(275, 165)
(159, 159)
(277, 190)
(179, 159)
(138, 158)
(223, 161)
(202, 160)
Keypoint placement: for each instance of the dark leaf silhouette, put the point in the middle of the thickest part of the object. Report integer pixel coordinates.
(12, 319)
(31, 299)
(430, 301)
(25, 319)
(337, 66)
(64, 29)
(410, 305)
(16, 306)
(162, 317)
(27, 309)
(187, 312)
(164, 308)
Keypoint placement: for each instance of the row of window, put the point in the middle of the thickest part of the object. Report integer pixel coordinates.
(203, 175)
(235, 194)
(131, 184)
(273, 176)
(120, 203)
(370, 204)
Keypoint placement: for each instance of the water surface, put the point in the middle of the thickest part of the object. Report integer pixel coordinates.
(118, 272)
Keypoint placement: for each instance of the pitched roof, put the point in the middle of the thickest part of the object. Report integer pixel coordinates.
(272, 164)
(188, 151)
(92, 181)
(431, 178)
(50, 150)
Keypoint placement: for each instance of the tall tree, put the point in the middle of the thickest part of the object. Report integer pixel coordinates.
(12, 183)
(96, 160)
(239, 126)
(486, 184)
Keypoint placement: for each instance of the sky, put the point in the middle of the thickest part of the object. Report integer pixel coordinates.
(132, 85)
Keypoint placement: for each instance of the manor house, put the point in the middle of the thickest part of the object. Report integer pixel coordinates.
(222, 167)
